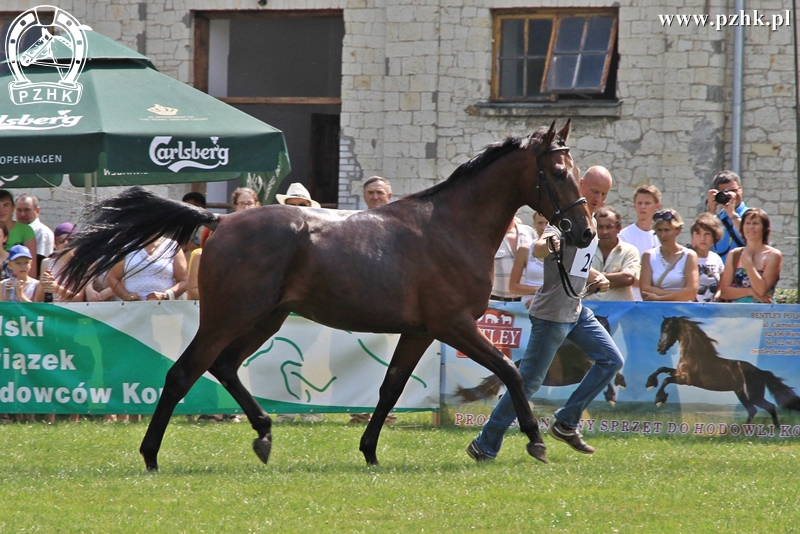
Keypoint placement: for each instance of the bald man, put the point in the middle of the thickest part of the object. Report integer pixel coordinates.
(595, 185)
(556, 316)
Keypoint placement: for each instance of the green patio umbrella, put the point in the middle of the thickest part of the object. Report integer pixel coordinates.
(123, 122)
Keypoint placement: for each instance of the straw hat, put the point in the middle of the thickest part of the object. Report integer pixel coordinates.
(298, 190)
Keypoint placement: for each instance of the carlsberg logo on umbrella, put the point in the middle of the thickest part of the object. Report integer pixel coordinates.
(64, 89)
(179, 156)
(26, 122)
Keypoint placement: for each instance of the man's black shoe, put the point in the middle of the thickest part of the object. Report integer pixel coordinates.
(476, 453)
(571, 437)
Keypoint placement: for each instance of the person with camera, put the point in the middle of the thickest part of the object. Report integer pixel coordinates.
(724, 199)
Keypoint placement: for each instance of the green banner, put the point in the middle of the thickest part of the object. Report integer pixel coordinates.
(55, 360)
(112, 358)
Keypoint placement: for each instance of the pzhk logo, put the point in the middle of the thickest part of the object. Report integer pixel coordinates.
(65, 53)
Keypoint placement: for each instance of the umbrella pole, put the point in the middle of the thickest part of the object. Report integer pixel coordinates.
(90, 188)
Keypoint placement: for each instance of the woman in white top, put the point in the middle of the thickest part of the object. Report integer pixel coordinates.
(525, 263)
(157, 272)
(669, 272)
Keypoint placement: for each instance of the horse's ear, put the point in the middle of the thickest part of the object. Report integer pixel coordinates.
(547, 140)
(563, 133)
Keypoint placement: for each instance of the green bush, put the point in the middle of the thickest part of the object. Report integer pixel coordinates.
(786, 296)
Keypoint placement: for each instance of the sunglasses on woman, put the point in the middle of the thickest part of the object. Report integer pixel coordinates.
(666, 216)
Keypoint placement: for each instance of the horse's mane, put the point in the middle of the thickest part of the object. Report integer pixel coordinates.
(490, 154)
(697, 340)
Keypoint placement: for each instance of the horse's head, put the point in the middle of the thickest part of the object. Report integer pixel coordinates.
(670, 329)
(555, 192)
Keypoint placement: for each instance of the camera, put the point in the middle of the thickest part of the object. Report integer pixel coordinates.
(722, 197)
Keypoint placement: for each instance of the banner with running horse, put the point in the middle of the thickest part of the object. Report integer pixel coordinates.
(691, 369)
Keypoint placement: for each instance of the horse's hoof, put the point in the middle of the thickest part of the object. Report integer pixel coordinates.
(658, 404)
(262, 448)
(622, 386)
(612, 403)
(373, 463)
(538, 451)
(150, 463)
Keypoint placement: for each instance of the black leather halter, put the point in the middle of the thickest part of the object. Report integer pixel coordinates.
(563, 224)
(558, 215)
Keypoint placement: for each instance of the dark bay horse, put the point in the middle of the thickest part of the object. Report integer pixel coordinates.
(570, 365)
(701, 366)
(420, 267)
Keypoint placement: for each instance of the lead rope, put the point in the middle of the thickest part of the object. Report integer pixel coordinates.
(566, 283)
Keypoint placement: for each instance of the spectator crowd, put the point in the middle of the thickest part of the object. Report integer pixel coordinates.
(729, 258)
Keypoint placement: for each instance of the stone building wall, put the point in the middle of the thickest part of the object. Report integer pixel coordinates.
(416, 78)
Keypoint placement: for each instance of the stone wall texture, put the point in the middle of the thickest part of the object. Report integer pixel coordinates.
(415, 73)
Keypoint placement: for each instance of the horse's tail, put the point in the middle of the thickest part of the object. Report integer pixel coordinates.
(488, 388)
(112, 228)
(784, 395)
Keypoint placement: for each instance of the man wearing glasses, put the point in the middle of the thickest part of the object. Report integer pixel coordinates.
(725, 198)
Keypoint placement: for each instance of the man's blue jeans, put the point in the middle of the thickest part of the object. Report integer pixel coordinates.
(546, 336)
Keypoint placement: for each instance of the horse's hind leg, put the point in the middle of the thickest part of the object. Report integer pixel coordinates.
(194, 361)
(764, 404)
(755, 396)
(225, 369)
(406, 357)
(748, 405)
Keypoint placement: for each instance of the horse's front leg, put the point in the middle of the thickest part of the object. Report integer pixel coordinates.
(619, 381)
(406, 357)
(661, 394)
(471, 341)
(652, 380)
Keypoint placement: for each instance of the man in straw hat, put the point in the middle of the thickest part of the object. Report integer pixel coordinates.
(298, 195)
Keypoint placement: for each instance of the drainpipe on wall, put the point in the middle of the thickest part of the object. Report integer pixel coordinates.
(738, 75)
(796, 120)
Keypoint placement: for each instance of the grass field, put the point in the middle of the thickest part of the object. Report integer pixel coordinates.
(89, 477)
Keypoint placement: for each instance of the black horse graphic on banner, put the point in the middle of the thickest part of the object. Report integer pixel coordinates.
(701, 366)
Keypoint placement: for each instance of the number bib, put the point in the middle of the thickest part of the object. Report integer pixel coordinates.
(583, 260)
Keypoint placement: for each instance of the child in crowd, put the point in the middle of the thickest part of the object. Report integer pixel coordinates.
(20, 287)
(706, 231)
